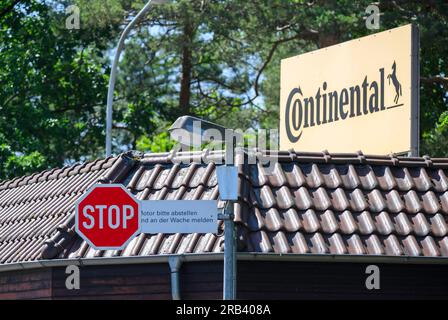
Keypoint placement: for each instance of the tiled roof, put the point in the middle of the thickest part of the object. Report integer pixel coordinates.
(310, 203)
(32, 207)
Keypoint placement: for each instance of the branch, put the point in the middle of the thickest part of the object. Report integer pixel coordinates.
(217, 81)
(207, 96)
(307, 34)
(9, 99)
(228, 102)
(121, 127)
(435, 80)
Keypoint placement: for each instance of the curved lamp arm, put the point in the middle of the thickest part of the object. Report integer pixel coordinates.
(113, 72)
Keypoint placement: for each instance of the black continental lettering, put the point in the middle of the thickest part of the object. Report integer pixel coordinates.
(309, 112)
(343, 101)
(333, 108)
(354, 90)
(373, 101)
(293, 115)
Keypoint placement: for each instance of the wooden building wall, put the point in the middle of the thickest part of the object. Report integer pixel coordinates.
(318, 280)
(26, 284)
(138, 281)
(198, 280)
(256, 280)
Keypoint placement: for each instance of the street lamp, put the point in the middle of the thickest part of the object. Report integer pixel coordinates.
(193, 131)
(113, 71)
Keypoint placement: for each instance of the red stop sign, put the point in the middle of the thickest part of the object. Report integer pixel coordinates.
(107, 216)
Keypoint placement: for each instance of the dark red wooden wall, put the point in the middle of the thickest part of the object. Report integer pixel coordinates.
(138, 281)
(318, 280)
(256, 280)
(26, 284)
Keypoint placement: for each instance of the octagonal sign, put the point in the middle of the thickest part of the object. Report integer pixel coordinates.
(107, 216)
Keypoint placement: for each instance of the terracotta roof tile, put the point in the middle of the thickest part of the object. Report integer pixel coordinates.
(318, 203)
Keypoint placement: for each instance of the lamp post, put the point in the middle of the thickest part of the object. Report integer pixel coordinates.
(193, 131)
(113, 71)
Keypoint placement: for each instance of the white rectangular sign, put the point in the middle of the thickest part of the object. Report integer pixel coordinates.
(179, 216)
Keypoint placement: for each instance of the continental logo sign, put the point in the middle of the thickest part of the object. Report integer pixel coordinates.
(359, 95)
(326, 107)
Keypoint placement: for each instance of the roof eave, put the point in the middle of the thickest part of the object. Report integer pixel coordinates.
(242, 256)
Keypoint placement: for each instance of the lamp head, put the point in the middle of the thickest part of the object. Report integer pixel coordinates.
(192, 131)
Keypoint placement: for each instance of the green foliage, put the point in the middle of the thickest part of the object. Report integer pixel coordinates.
(52, 82)
(18, 165)
(158, 143)
(334, 22)
(224, 53)
(434, 142)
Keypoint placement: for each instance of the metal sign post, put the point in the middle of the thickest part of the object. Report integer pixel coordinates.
(229, 290)
(183, 130)
(228, 190)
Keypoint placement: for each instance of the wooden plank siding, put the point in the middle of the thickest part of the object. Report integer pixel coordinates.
(201, 280)
(150, 281)
(26, 284)
(313, 280)
(256, 280)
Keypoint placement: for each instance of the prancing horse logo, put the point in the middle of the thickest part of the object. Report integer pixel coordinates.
(395, 82)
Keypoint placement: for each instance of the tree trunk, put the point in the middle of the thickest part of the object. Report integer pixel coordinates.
(327, 39)
(185, 84)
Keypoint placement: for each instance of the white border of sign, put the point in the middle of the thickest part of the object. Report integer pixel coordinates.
(83, 236)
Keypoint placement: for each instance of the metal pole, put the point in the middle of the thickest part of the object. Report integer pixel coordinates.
(175, 262)
(113, 74)
(229, 289)
(229, 254)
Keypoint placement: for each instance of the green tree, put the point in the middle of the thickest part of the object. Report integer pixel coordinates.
(221, 59)
(188, 57)
(216, 59)
(52, 84)
(312, 25)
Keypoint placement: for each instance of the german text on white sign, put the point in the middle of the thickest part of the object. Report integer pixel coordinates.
(179, 216)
